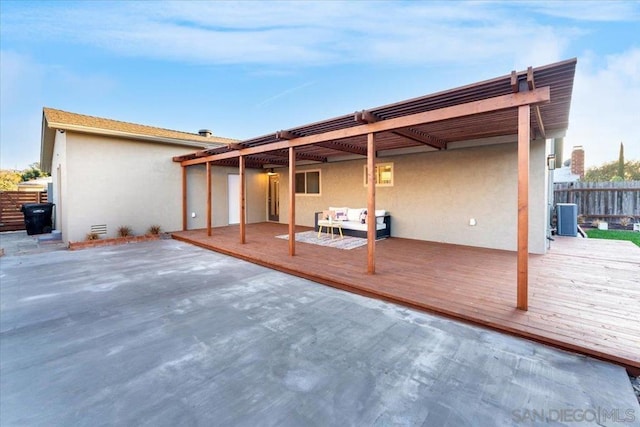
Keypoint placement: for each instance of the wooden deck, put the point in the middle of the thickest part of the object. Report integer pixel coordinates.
(584, 294)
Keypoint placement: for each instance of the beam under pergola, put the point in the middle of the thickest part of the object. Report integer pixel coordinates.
(261, 161)
(344, 147)
(365, 116)
(332, 145)
(234, 163)
(300, 156)
(536, 108)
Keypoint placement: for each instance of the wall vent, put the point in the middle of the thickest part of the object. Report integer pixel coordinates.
(99, 229)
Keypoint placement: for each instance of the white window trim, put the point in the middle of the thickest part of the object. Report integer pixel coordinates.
(305, 194)
(364, 179)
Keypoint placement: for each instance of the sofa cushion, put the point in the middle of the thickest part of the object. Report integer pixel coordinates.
(350, 225)
(354, 214)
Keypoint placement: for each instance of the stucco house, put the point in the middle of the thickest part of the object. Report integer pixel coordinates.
(108, 173)
(466, 166)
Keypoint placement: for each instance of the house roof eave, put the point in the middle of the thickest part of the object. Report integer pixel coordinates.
(133, 136)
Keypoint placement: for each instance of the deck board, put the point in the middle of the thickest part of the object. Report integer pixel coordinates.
(584, 294)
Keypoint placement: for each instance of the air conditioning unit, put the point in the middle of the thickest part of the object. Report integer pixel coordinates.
(567, 219)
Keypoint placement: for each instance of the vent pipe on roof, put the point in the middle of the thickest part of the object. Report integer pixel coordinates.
(205, 132)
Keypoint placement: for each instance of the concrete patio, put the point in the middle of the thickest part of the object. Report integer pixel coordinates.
(165, 333)
(19, 243)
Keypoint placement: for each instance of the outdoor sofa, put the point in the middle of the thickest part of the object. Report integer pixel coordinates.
(353, 221)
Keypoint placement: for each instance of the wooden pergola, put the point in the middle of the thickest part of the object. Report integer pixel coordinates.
(527, 105)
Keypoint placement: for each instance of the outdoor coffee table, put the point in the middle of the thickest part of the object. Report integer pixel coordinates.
(329, 225)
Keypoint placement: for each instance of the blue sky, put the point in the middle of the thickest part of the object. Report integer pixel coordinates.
(244, 69)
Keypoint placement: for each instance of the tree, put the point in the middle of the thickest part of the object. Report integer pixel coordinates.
(9, 180)
(33, 172)
(607, 171)
(621, 162)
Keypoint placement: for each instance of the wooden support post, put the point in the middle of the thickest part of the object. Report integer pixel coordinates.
(371, 204)
(524, 123)
(184, 198)
(208, 198)
(242, 201)
(292, 201)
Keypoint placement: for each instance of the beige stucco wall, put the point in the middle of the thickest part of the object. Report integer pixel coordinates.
(118, 182)
(435, 194)
(255, 195)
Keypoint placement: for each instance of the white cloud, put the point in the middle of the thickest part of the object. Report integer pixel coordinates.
(476, 37)
(603, 11)
(300, 33)
(282, 94)
(605, 107)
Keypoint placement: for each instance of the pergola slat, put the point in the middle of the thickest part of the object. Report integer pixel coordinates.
(512, 100)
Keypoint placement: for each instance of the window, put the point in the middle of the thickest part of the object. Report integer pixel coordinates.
(383, 175)
(308, 182)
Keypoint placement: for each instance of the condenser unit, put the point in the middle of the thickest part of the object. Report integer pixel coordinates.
(567, 217)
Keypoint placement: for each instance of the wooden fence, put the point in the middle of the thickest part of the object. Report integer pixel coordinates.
(611, 201)
(11, 218)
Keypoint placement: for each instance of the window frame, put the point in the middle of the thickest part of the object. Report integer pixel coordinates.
(306, 186)
(377, 174)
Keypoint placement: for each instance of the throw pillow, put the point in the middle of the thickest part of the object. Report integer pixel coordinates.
(363, 217)
(340, 214)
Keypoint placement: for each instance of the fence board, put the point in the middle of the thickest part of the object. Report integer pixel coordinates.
(11, 218)
(607, 200)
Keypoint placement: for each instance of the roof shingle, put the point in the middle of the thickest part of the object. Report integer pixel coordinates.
(64, 120)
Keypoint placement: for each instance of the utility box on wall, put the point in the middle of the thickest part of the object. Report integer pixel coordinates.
(567, 218)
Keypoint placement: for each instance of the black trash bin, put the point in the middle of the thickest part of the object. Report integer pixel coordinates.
(37, 217)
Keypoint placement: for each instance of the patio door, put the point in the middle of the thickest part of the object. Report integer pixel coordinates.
(274, 197)
(233, 194)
